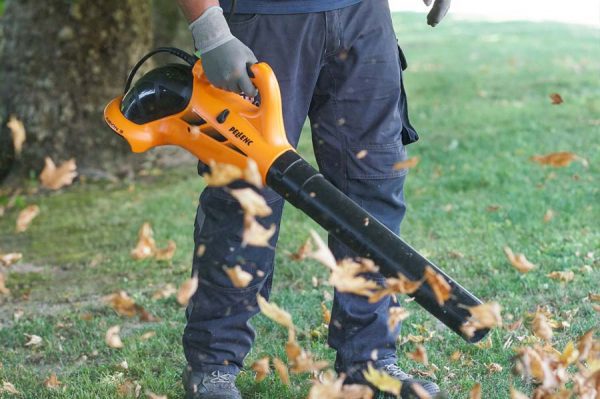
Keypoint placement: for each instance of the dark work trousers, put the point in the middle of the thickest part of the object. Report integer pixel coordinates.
(342, 69)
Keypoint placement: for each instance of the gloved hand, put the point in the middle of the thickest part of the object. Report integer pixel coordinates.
(437, 12)
(224, 57)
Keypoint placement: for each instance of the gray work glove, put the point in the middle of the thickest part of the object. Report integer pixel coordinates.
(437, 12)
(224, 57)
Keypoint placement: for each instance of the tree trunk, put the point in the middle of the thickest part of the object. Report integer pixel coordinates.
(62, 61)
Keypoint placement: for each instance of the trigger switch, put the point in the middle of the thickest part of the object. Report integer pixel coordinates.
(222, 116)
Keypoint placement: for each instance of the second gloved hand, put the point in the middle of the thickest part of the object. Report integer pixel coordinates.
(437, 12)
(224, 57)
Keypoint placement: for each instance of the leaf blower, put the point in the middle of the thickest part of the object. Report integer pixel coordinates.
(175, 104)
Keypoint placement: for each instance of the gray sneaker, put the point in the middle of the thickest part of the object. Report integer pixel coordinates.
(214, 384)
(408, 385)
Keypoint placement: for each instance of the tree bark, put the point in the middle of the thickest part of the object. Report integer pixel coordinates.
(62, 61)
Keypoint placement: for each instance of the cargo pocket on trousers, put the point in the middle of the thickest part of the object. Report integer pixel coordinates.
(409, 134)
(377, 163)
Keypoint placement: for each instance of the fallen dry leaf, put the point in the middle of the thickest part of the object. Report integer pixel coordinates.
(147, 335)
(26, 216)
(564, 276)
(10, 259)
(275, 313)
(3, 289)
(129, 388)
(186, 290)
(557, 159)
(17, 131)
(166, 292)
(281, 370)
(146, 246)
(475, 392)
(262, 369)
(251, 202)
(419, 355)
(569, 355)
(594, 297)
(55, 178)
(409, 163)
(33, 340)
(326, 313)
(112, 338)
(396, 315)
(382, 381)
(556, 98)
(239, 277)
(9, 388)
(52, 382)
(167, 252)
(302, 361)
(514, 394)
(303, 251)
(255, 234)
(122, 303)
(438, 284)
(395, 285)
(152, 395)
(548, 216)
(494, 367)
(519, 261)
(221, 174)
(327, 387)
(541, 327)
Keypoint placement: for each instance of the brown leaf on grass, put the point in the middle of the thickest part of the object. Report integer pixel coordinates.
(251, 202)
(393, 285)
(255, 234)
(556, 98)
(275, 313)
(326, 313)
(252, 174)
(494, 367)
(382, 381)
(564, 276)
(323, 253)
(475, 392)
(281, 370)
(3, 289)
(558, 159)
(152, 395)
(129, 388)
(9, 388)
(438, 284)
(52, 382)
(327, 387)
(548, 216)
(147, 335)
(594, 297)
(55, 178)
(514, 394)
(221, 174)
(486, 315)
(541, 327)
(569, 355)
(7, 260)
(303, 251)
(585, 345)
(419, 355)
(112, 338)
(167, 252)
(292, 349)
(396, 315)
(166, 292)
(407, 164)
(17, 131)
(122, 303)
(146, 246)
(26, 216)
(239, 277)
(262, 369)
(33, 340)
(519, 261)
(187, 289)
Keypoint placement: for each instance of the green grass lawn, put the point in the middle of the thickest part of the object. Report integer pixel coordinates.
(479, 97)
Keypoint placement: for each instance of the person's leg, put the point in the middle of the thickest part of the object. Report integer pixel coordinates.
(217, 335)
(358, 118)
